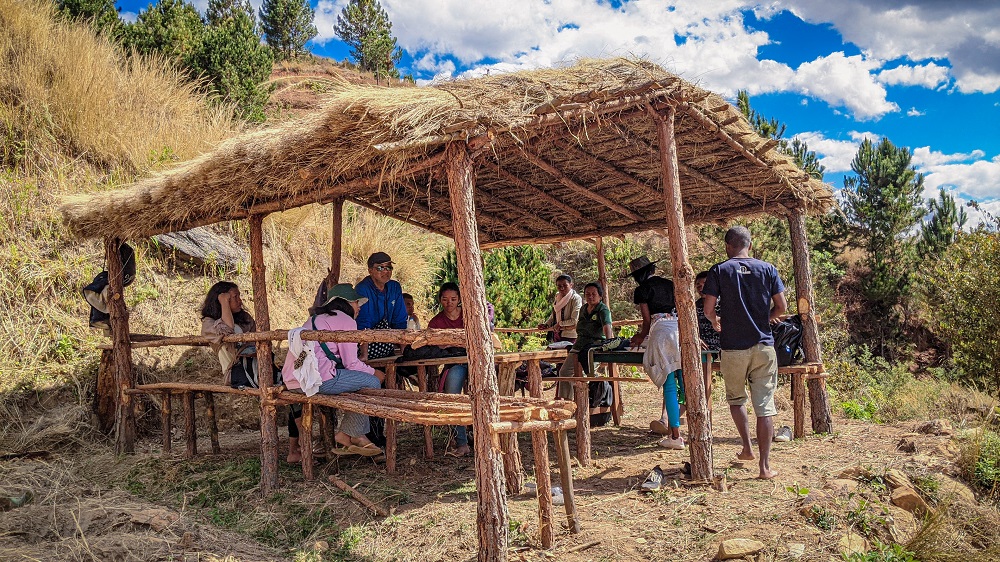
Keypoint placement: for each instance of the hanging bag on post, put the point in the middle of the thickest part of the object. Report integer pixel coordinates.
(788, 340)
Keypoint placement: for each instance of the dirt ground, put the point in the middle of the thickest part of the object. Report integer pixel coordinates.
(80, 510)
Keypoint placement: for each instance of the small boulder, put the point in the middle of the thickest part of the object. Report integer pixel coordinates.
(940, 426)
(950, 489)
(738, 548)
(815, 498)
(896, 478)
(157, 519)
(796, 550)
(852, 472)
(902, 524)
(842, 485)
(853, 543)
(910, 500)
(907, 445)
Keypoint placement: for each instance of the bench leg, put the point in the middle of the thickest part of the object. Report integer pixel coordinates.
(166, 419)
(543, 480)
(799, 404)
(306, 442)
(580, 392)
(422, 386)
(512, 467)
(327, 420)
(213, 427)
(566, 477)
(190, 433)
(390, 425)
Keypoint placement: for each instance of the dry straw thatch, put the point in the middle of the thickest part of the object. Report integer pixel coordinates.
(563, 153)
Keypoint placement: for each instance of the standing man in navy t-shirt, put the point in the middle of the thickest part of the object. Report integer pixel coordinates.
(751, 297)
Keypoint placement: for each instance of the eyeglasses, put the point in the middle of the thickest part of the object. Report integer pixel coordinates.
(383, 268)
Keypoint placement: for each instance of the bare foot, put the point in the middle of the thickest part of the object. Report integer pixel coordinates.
(745, 455)
(462, 451)
(768, 474)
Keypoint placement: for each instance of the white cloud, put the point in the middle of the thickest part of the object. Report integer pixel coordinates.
(326, 19)
(836, 155)
(128, 17)
(929, 76)
(914, 112)
(978, 180)
(845, 81)
(924, 157)
(962, 31)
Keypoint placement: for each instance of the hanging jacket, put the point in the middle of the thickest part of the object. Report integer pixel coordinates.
(663, 349)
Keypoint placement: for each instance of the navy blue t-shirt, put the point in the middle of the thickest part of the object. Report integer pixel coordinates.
(744, 287)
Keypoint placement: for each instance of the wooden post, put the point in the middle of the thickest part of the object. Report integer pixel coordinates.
(492, 519)
(124, 376)
(616, 391)
(699, 423)
(337, 243)
(822, 420)
(540, 447)
(566, 477)
(512, 467)
(106, 396)
(306, 442)
(268, 406)
(602, 271)
(390, 425)
(190, 431)
(798, 405)
(428, 438)
(581, 396)
(166, 421)
(213, 427)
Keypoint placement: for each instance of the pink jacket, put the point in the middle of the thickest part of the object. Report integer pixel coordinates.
(348, 352)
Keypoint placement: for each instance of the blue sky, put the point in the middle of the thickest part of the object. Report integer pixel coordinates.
(923, 73)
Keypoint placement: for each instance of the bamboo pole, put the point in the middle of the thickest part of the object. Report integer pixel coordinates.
(124, 376)
(822, 419)
(491, 509)
(268, 408)
(699, 422)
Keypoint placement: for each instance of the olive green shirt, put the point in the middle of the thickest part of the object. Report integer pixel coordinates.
(590, 327)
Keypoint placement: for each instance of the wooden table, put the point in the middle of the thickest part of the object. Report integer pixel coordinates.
(507, 363)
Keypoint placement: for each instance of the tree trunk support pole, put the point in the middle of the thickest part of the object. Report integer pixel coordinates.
(694, 386)
(543, 477)
(337, 243)
(822, 420)
(512, 467)
(491, 510)
(268, 407)
(617, 408)
(124, 375)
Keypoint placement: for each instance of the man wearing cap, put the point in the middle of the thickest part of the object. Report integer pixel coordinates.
(385, 304)
(751, 297)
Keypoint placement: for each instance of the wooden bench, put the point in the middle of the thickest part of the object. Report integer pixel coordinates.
(534, 415)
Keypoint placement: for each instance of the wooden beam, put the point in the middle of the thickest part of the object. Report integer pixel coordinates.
(491, 510)
(337, 242)
(577, 188)
(602, 269)
(124, 376)
(822, 419)
(584, 235)
(511, 209)
(699, 422)
(541, 194)
(268, 393)
(607, 168)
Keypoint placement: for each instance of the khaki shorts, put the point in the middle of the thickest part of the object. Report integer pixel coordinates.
(760, 365)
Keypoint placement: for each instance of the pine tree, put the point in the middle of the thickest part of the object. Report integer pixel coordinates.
(287, 25)
(172, 28)
(365, 27)
(102, 15)
(946, 220)
(233, 57)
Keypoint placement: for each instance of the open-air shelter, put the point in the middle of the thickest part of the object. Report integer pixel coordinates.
(600, 148)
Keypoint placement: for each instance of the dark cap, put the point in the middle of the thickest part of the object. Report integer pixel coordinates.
(378, 257)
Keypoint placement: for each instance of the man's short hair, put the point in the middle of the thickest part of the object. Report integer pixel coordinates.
(738, 237)
(701, 275)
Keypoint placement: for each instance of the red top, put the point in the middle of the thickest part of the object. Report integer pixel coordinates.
(441, 321)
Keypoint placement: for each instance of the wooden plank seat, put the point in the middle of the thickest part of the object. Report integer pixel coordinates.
(517, 414)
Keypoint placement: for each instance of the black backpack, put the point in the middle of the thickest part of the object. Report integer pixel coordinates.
(788, 340)
(600, 397)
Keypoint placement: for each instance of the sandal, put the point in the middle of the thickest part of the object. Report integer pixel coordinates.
(341, 450)
(366, 450)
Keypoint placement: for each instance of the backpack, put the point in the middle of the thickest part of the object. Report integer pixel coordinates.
(600, 397)
(245, 373)
(788, 340)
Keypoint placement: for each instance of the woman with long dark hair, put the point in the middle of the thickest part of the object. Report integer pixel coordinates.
(222, 314)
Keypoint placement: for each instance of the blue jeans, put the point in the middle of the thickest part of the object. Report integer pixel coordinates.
(454, 382)
(355, 425)
(670, 397)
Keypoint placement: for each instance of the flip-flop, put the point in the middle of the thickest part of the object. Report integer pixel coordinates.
(366, 450)
(343, 451)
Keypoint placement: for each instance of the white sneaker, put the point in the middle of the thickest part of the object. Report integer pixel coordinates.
(671, 443)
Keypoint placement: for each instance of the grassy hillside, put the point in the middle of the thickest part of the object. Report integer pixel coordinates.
(79, 116)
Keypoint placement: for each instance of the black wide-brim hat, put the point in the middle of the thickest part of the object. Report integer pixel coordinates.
(638, 264)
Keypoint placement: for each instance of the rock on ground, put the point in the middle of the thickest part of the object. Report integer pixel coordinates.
(738, 548)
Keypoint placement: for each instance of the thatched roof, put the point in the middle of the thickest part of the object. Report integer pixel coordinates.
(563, 153)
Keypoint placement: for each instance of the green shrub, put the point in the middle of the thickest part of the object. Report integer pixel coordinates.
(980, 459)
(883, 553)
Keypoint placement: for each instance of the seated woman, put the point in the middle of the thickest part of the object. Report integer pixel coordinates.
(565, 311)
(593, 327)
(339, 368)
(453, 379)
(222, 314)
